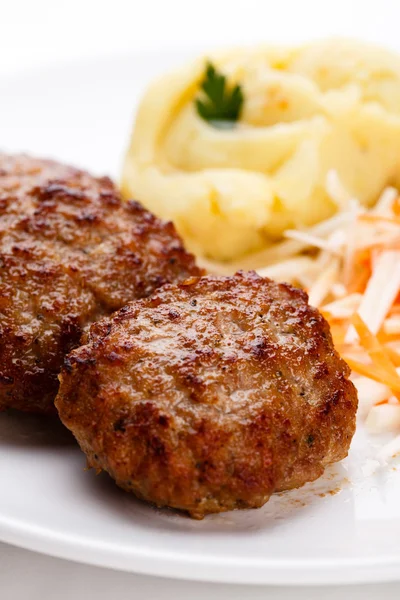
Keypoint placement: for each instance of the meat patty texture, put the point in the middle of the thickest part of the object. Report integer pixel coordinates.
(70, 252)
(211, 394)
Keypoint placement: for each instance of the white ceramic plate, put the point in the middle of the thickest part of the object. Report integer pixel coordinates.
(343, 528)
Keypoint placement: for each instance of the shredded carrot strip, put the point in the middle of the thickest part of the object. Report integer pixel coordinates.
(376, 352)
(360, 271)
(350, 349)
(382, 218)
(381, 402)
(372, 372)
(359, 281)
(371, 344)
(338, 332)
(393, 356)
(396, 207)
(384, 338)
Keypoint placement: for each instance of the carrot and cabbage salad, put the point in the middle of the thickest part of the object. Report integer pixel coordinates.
(360, 297)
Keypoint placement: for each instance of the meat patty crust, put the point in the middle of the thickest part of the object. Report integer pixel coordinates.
(70, 252)
(211, 394)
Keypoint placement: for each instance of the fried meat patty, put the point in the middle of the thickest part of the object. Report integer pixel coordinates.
(70, 252)
(211, 394)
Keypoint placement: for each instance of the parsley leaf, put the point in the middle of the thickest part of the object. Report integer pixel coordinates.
(220, 107)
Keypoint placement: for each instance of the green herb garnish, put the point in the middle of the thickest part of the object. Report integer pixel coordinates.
(221, 106)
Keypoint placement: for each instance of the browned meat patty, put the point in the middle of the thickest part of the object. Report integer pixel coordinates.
(70, 252)
(210, 395)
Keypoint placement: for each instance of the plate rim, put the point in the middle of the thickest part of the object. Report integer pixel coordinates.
(177, 565)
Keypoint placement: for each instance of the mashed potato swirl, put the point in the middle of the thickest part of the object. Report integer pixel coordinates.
(307, 110)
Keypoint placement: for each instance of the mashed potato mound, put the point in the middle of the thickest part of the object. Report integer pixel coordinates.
(328, 105)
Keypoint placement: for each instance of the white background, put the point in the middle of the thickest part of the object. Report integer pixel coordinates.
(36, 33)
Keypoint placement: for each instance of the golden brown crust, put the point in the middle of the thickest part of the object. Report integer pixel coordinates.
(70, 251)
(210, 395)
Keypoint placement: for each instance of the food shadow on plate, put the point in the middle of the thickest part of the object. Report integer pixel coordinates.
(24, 430)
(282, 508)
(20, 429)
